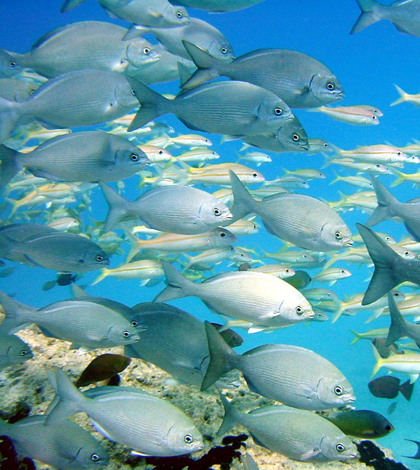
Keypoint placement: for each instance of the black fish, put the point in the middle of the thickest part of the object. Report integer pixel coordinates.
(388, 386)
(102, 368)
(417, 454)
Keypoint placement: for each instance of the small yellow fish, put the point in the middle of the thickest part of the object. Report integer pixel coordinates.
(355, 115)
(406, 97)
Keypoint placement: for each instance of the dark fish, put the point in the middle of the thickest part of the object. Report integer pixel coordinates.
(383, 350)
(362, 423)
(300, 279)
(392, 407)
(298, 79)
(102, 368)
(390, 268)
(417, 454)
(231, 337)
(244, 267)
(388, 386)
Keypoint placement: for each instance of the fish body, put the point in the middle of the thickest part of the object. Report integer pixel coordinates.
(78, 98)
(13, 350)
(362, 423)
(87, 45)
(227, 107)
(174, 209)
(43, 246)
(407, 363)
(389, 386)
(63, 445)
(298, 79)
(296, 434)
(103, 367)
(143, 269)
(302, 220)
(81, 156)
(199, 32)
(257, 298)
(292, 375)
(83, 322)
(148, 425)
(219, 5)
(351, 115)
(404, 15)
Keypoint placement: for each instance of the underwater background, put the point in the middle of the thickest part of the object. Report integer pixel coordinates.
(368, 65)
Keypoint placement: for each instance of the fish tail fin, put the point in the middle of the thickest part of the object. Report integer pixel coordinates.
(119, 207)
(231, 417)
(379, 361)
(151, 104)
(337, 314)
(9, 117)
(135, 31)
(206, 64)
(222, 357)
(401, 177)
(358, 336)
(368, 15)
(406, 390)
(385, 259)
(397, 328)
(15, 313)
(9, 165)
(135, 245)
(243, 202)
(402, 98)
(102, 275)
(178, 285)
(70, 4)
(69, 397)
(386, 204)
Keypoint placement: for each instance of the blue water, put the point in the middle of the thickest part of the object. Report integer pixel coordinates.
(367, 64)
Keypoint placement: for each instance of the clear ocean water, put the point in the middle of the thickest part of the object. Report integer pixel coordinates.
(368, 65)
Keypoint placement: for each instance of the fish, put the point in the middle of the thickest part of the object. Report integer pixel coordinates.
(217, 255)
(391, 269)
(83, 322)
(292, 375)
(331, 275)
(389, 386)
(143, 269)
(384, 350)
(13, 350)
(297, 434)
(406, 97)
(197, 31)
(350, 114)
(303, 220)
(399, 326)
(103, 367)
(219, 5)
(160, 13)
(16, 90)
(78, 98)
(174, 341)
(86, 156)
(39, 245)
(86, 45)
(260, 299)
(402, 14)
(417, 454)
(9, 66)
(362, 423)
(174, 209)
(63, 445)
(407, 363)
(297, 78)
(215, 108)
(389, 207)
(146, 424)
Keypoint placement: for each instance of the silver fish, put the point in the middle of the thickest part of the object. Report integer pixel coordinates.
(219, 5)
(258, 299)
(198, 32)
(227, 107)
(303, 220)
(140, 421)
(293, 375)
(403, 14)
(44, 246)
(81, 157)
(174, 209)
(79, 98)
(297, 434)
(13, 350)
(63, 445)
(159, 13)
(86, 45)
(84, 322)
(298, 79)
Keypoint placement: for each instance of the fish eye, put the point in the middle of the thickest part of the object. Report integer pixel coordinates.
(295, 137)
(133, 92)
(222, 234)
(338, 390)
(94, 457)
(325, 144)
(134, 157)
(99, 258)
(217, 212)
(299, 310)
(330, 86)
(396, 294)
(126, 334)
(278, 111)
(188, 439)
(223, 50)
(340, 447)
(373, 117)
(255, 175)
(398, 153)
(146, 50)
(134, 323)
(160, 152)
(179, 14)
(13, 64)
(24, 352)
(338, 235)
